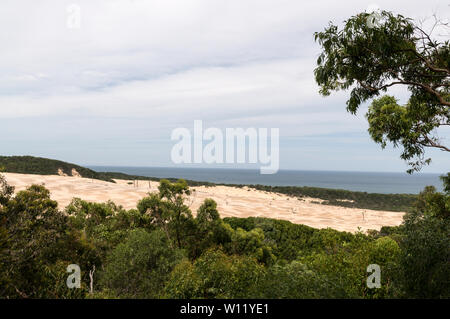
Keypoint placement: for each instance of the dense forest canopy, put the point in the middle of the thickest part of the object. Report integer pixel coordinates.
(159, 250)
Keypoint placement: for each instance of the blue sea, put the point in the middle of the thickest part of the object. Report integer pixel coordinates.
(354, 181)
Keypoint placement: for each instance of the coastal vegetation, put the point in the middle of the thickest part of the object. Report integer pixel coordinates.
(345, 198)
(46, 166)
(336, 197)
(160, 250)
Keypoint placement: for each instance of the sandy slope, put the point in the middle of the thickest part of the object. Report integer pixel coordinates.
(239, 202)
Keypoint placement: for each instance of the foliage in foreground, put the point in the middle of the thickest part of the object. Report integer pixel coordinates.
(160, 250)
(368, 57)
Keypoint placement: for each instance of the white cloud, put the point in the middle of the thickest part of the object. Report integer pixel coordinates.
(227, 62)
(252, 94)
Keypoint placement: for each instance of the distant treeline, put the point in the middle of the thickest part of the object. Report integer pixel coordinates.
(117, 175)
(337, 197)
(46, 166)
(345, 198)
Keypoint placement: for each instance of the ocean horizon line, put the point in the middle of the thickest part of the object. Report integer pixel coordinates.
(257, 169)
(370, 182)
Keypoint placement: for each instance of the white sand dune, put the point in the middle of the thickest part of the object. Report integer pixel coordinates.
(231, 201)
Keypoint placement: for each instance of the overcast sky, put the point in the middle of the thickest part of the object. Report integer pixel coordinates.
(112, 91)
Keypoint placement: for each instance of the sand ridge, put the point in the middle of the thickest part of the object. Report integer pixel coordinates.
(231, 201)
